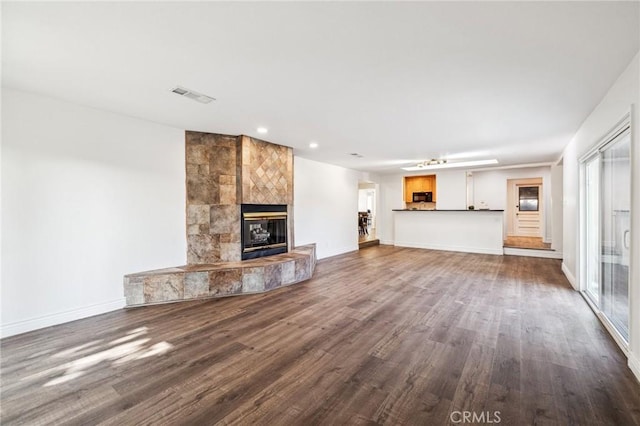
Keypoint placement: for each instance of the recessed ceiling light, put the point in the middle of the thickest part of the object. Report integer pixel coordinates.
(262, 130)
(429, 165)
(192, 94)
(313, 145)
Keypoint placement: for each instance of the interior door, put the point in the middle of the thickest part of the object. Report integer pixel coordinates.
(528, 210)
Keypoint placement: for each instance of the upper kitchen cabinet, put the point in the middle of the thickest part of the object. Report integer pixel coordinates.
(413, 184)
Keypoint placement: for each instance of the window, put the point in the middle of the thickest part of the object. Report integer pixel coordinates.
(528, 198)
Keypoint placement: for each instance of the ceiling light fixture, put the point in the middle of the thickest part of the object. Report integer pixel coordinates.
(432, 162)
(313, 145)
(192, 94)
(262, 130)
(443, 164)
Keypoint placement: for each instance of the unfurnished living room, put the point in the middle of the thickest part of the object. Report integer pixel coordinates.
(294, 213)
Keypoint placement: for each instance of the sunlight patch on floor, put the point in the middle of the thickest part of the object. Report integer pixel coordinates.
(119, 351)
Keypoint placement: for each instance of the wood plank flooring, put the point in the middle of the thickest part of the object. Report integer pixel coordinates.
(526, 243)
(381, 336)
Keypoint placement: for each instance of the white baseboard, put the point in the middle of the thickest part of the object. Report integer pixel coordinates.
(337, 251)
(634, 365)
(570, 277)
(24, 326)
(547, 254)
(387, 242)
(481, 250)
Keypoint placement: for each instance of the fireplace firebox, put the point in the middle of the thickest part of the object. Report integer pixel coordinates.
(264, 230)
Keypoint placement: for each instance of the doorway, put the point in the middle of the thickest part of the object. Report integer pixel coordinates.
(367, 193)
(525, 214)
(605, 227)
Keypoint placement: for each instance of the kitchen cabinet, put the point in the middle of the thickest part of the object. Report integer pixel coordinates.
(413, 184)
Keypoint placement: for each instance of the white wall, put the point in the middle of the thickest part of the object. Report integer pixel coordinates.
(390, 196)
(556, 208)
(87, 196)
(366, 200)
(451, 190)
(490, 186)
(570, 220)
(616, 103)
(325, 207)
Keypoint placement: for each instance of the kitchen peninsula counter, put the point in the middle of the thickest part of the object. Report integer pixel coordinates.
(471, 231)
(444, 210)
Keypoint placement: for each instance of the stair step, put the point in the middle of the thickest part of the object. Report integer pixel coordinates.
(369, 243)
(550, 254)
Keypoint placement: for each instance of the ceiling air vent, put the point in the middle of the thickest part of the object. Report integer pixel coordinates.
(192, 94)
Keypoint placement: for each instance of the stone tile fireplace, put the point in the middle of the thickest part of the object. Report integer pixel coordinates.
(224, 172)
(213, 232)
(239, 224)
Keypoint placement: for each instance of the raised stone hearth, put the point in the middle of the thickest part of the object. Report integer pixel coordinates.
(222, 173)
(220, 279)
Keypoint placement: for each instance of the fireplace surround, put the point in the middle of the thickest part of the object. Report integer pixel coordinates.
(223, 173)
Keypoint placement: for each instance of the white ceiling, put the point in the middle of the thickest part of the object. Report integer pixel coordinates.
(396, 82)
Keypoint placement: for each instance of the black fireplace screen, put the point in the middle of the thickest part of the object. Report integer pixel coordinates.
(264, 230)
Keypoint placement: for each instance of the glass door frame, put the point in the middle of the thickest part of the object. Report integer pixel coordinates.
(622, 127)
(594, 299)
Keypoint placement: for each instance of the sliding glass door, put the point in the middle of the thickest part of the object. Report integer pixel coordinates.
(615, 233)
(606, 219)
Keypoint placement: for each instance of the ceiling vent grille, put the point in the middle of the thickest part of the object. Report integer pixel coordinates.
(192, 94)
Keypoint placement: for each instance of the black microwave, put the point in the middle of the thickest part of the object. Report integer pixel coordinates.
(423, 197)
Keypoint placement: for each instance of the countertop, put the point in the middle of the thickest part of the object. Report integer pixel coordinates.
(445, 210)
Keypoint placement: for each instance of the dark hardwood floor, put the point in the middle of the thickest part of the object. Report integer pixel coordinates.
(384, 335)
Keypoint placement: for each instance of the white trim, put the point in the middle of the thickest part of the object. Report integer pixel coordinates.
(615, 335)
(615, 131)
(514, 166)
(442, 247)
(622, 344)
(387, 242)
(634, 365)
(547, 254)
(570, 277)
(24, 326)
(634, 311)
